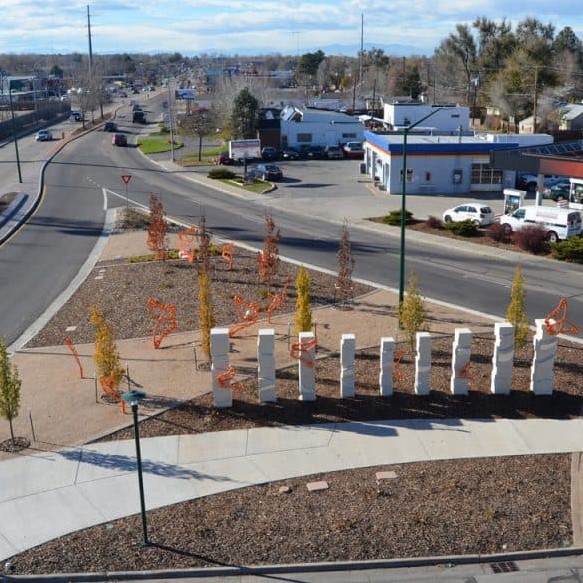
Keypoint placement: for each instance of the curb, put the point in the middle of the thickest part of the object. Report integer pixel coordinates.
(270, 570)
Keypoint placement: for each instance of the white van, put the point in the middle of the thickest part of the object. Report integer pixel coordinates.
(559, 223)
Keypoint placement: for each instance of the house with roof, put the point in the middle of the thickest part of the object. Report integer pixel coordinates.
(301, 128)
(571, 117)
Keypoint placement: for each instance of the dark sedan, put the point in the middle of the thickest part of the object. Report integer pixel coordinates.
(266, 172)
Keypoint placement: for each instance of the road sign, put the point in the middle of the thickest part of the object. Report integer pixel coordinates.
(126, 178)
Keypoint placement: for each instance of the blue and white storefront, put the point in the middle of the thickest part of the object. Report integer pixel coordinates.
(435, 164)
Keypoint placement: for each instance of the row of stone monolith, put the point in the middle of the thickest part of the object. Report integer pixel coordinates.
(545, 347)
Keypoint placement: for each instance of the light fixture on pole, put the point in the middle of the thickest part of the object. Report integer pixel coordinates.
(14, 131)
(133, 399)
(403, 205)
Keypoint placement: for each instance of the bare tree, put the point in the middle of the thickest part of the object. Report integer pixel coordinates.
(199, 123)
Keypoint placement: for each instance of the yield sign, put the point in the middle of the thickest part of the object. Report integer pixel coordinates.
(126, 178)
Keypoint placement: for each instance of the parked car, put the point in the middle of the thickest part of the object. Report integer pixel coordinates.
(291, 154)
(333, 152)
(119, 140)
(266, 172)
(559, 190)
(76, 116)
(43, 136)
(353, 150)
(270, 153)
(480, 214)
(223, 159)
(316, 152)
(529, 182)
(110, 126)
(559, 223)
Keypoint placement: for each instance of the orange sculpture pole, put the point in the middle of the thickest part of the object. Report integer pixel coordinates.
(227, 254)
(299, 349)
(165, 320)
(72, 348)
(109, 388)
(186, 247)
(397, 372)
(277, 300)
(556, 322)
(225, 377)
(247, 315)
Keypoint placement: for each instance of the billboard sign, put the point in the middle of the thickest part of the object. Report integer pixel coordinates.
(244, 149)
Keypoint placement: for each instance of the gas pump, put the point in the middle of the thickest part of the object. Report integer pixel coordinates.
(512, 199)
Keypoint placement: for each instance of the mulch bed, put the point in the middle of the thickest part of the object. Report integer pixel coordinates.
(447, 507)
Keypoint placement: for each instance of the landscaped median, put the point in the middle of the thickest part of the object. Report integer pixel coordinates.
(229, 177)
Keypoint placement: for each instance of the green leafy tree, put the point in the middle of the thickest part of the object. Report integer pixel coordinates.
(516, 313)
(244, 116)
(309, 63)
(303, 302)
(412, 84)
(412, 312)
(9, 388)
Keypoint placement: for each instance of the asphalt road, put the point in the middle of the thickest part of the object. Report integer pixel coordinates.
(44, 256)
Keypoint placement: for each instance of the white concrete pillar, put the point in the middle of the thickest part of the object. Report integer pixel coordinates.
(222, 395)
(545, 350)
(503, 358)
(266, 365)
(347, 350)
(307, 368)
(460, 362)
(423, 364)
(386, 364)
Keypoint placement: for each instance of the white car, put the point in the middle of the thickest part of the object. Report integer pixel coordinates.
(480, 214)
(43, 136)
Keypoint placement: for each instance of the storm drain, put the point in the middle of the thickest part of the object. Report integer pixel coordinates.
(504, 567)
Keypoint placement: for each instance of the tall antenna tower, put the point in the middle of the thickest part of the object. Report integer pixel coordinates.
(90, 45)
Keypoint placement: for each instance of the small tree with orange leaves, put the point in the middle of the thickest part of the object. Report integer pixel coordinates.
(269, 262)
(157, 228)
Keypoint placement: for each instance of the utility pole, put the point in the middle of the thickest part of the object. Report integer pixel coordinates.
(361, 49)
(90, 45)
(535, 101)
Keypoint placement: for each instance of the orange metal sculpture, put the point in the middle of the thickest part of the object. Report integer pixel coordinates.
(397, 372)
(277, 300)
(465, 370)
(299, 350)
(72, 348)
(556, 322)
(186, 246)
(227, 254)
(225, 377)
(109, 388)
(165, 324)
(247, 315)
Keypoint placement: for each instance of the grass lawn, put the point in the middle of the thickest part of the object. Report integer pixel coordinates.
(208, 156)
(156, 143)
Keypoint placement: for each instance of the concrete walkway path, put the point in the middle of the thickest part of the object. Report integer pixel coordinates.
(82, 487)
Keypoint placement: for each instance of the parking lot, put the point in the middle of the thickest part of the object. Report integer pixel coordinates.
(336, 189)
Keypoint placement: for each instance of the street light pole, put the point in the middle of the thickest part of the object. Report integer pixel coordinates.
(133, 398)
(404, 205)
(14, 132)
(170, 121)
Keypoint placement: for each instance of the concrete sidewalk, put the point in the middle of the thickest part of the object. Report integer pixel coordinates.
(81, 487)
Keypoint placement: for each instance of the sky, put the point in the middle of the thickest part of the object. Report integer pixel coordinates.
(254, 27)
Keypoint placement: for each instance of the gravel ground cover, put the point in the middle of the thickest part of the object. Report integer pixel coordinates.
(468, 506)
(429, 509)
